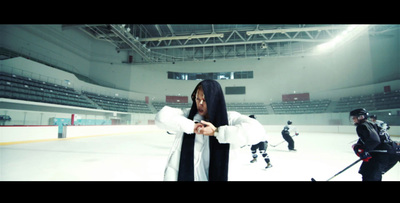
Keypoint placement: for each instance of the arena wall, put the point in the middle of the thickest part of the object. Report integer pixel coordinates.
(363, 66)
(365, 61)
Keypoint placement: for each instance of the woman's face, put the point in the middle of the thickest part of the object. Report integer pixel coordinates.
(201, 103)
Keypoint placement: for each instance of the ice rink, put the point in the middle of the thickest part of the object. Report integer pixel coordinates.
(142, 156)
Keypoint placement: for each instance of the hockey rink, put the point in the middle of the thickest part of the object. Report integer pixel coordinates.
(142, 156)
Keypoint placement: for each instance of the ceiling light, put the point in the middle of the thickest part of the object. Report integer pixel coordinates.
(263, 45)
(287, 30)
(189, 37)
(351, 32)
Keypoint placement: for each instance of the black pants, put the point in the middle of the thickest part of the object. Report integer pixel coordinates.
(377, 165)
(289, 139)
(262, 146)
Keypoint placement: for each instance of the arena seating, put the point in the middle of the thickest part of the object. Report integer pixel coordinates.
(301, 107)
(387, 100)
(243, 108)
(248, 108)
(24, 88)
(118, 103)
(379, 101)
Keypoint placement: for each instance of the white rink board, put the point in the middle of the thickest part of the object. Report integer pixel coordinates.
(27, 133)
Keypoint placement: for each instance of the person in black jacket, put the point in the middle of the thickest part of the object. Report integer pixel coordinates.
(287, 130)
(371, 148)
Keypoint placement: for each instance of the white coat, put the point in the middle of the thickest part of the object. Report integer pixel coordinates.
(242, 130)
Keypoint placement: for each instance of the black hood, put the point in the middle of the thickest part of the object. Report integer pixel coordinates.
(215, 100)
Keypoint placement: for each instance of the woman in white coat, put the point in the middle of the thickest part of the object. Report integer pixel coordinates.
(204, 135)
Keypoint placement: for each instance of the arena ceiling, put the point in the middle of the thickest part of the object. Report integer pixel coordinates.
(154, 43)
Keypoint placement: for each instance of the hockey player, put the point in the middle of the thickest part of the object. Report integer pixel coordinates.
(384, 135)
(377, 152)
(287, 130)
(262, 147)
(384, 126)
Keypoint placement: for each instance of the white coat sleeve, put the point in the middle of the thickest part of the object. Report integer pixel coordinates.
(173, 119)
(242, 130)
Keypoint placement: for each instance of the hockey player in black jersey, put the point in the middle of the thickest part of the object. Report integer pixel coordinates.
(377, 152)
(287, 130)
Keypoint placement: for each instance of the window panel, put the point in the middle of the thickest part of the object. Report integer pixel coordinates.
(215, 75)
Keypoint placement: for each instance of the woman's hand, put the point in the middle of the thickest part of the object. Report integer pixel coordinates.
(205, 128)
(197, 128)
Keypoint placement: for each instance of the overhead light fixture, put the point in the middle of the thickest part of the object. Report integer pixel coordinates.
(351, 32)
(263, 45)
(189, 37)
(287, 30)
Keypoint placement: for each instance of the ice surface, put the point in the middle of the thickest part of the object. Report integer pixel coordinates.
(142, 157)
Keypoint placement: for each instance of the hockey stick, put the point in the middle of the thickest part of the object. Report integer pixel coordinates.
(281, 142)
(353, 141)
(313, 180)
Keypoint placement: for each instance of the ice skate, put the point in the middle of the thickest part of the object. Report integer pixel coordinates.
(269, 165)
(254, 160)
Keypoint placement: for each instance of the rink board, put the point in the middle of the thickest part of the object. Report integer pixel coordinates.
(15, 134)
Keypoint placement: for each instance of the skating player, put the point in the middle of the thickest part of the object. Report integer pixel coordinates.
(262, 147)
(384, 126)
(377, 152)
(287, 130)
(383, 134)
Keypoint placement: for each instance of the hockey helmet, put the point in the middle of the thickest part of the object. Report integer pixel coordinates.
(374, 116)
(289, 122)
(360, 114)
(252, 116)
